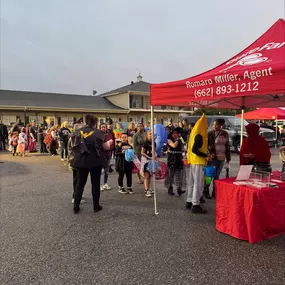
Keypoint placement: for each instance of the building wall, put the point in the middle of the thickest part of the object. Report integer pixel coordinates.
(120, 100)
(160, 118)
(9, 117)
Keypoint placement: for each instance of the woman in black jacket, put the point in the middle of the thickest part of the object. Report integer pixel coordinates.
(124, 167)
(219, 148)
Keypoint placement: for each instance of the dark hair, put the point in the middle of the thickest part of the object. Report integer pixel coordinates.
(90, 120)
(122, 134)
(103, 124)
(169, 137)
(220, 121)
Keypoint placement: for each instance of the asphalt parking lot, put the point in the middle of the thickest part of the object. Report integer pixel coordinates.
(43, 242)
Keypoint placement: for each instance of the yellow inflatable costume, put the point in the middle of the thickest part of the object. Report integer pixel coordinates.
(200, 128)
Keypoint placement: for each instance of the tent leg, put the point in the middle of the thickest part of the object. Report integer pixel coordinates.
(276, 140)
(153, 160)
(241, 126)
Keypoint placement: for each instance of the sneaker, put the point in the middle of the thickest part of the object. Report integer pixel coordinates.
(197, 209)
(101, 188)
(62, 159)
(147, 193)
(76, 210)
(123, 191)
(151, 191)
(188, 205)
(170, 191)
(97, 208)
(106, 187)
(130, 190)
(180, 191)
(82, 201)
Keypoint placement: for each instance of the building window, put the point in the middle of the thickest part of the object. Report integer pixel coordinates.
(101, 121)
(146, 103)
(136, 102)
(27, 120)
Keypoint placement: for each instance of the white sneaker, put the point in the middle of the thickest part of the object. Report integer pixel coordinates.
(106, 187)
(62, 159)
(102, 188)
(82, 201)
(123, 191)
(130, 190)
(147, 193)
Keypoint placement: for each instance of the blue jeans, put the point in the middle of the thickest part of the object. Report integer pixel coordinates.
(64, 149)
(219, 164)
(106, 169)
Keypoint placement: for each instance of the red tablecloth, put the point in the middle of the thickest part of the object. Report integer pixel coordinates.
(249, 214)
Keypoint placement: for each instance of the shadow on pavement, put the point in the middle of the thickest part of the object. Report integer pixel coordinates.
(9, 168)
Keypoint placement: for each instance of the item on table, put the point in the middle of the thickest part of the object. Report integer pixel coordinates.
(282, 157)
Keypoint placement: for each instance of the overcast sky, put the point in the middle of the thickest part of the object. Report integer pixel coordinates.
(73, 46)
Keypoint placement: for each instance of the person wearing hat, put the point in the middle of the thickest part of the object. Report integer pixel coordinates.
(174, 162)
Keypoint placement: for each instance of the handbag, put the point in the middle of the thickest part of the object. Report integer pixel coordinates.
(135, 170)
(129, 155)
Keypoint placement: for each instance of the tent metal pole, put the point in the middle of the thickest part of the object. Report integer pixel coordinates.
(241, 127)
(242, 121)
(276, 128)
(153, 160)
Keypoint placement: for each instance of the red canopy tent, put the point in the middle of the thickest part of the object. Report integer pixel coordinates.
(253, 78)
(265, 114)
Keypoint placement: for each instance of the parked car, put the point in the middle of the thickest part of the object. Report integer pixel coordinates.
(233, 127)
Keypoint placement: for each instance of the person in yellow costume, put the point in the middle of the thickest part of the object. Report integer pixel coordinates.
(197, 158)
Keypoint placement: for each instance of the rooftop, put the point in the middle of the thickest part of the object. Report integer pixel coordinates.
(138, 86)
(54, 100)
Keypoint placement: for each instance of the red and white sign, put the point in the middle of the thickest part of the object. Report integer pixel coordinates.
(255, 78)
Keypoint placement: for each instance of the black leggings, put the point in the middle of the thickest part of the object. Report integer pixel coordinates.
(128, 173)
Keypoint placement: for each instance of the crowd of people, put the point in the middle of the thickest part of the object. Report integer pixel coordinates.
(189, 149)
(20, 138)
(200, 147)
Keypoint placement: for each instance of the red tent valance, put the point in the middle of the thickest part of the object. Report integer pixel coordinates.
(253, 78)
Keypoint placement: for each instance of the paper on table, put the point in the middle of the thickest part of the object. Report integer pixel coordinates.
(244, 172)
(278, 181)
